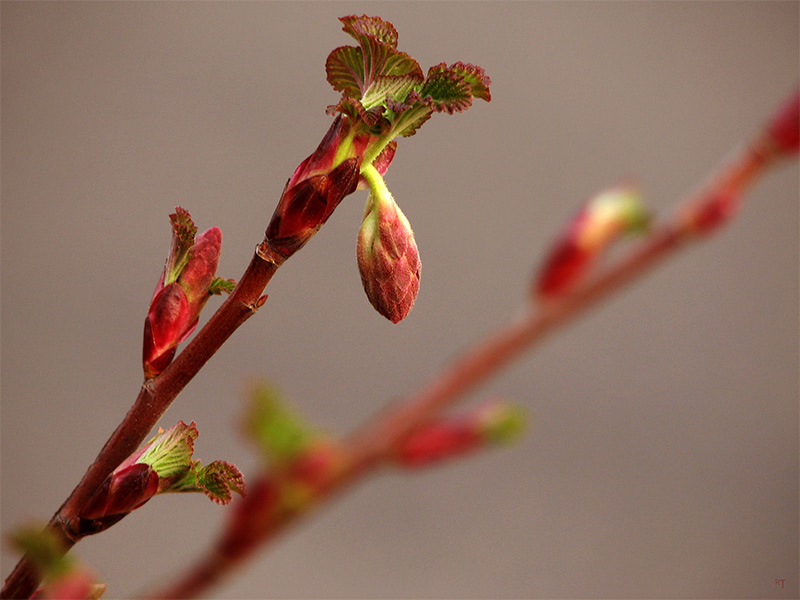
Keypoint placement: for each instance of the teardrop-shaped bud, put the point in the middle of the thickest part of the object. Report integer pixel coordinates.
(388, 259)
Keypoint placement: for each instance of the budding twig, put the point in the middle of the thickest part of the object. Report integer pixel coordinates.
(375, 442)
(154, 398)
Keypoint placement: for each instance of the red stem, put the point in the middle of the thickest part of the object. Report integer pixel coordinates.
(153, 400)
(373, 442)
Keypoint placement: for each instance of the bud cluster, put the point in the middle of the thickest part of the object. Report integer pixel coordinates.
(385, 94)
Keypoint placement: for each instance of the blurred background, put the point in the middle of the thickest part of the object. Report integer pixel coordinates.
(662, 460)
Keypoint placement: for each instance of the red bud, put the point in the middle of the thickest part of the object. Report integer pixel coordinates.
(175, 307)
(784, 129)
(437, 441)
(388, 259)
(601, 221)
(123, 491)
(713, 211)
(317, 187)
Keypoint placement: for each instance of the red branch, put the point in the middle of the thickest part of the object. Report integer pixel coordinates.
(153, 400)
(256, 520)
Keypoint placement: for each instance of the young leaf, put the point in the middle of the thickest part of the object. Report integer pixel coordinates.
(446, 90)
(345, 70)
(183, 232)
(476, 77)
(279, 432)
(359, 72)
(389, 87)
(170, 451)
(219, 480)
(364, 27)
(220, 286)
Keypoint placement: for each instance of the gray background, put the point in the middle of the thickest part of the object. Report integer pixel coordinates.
(663, 456)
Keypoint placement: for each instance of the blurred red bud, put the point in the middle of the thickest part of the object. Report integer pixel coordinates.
(251, 517)
(784, 129)
(565, 265)
(492, 423)
(713, 212)
(600, 222)
(76, 584)
(437, 441)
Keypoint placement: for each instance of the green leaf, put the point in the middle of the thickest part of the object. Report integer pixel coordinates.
(345, 70)
(219, 480)
(372, 119)
(389, 88)
(406, 117)
(278, 431)
(170, 452)
(220, 286)
(183, 232)
(358, 72)
(476, 77)
(364, 27)
(183, 226)
(446, 90)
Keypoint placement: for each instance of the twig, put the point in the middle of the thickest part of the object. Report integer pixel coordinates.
(153, 400)
(256, 522)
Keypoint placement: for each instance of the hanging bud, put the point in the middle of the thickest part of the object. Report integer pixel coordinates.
(185, 286)
(601, 221)
(164, 464)
(784, 129)
(491, 424)
(387, 254)
(317, 187)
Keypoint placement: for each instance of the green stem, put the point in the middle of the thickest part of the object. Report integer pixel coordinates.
(377, 185)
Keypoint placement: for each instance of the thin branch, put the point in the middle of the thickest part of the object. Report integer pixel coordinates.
(153, 400)
(256, 521)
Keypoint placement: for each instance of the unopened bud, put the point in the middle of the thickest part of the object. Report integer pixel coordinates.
(279, 432)
(317, 187)
(75, 585)
(491, 424)
(388, 259)
(601, 221)
(437, 441)
(712, 212)
(185, 286)
(784, 129)
(125, 490)
(311, 473)
(500, 422)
